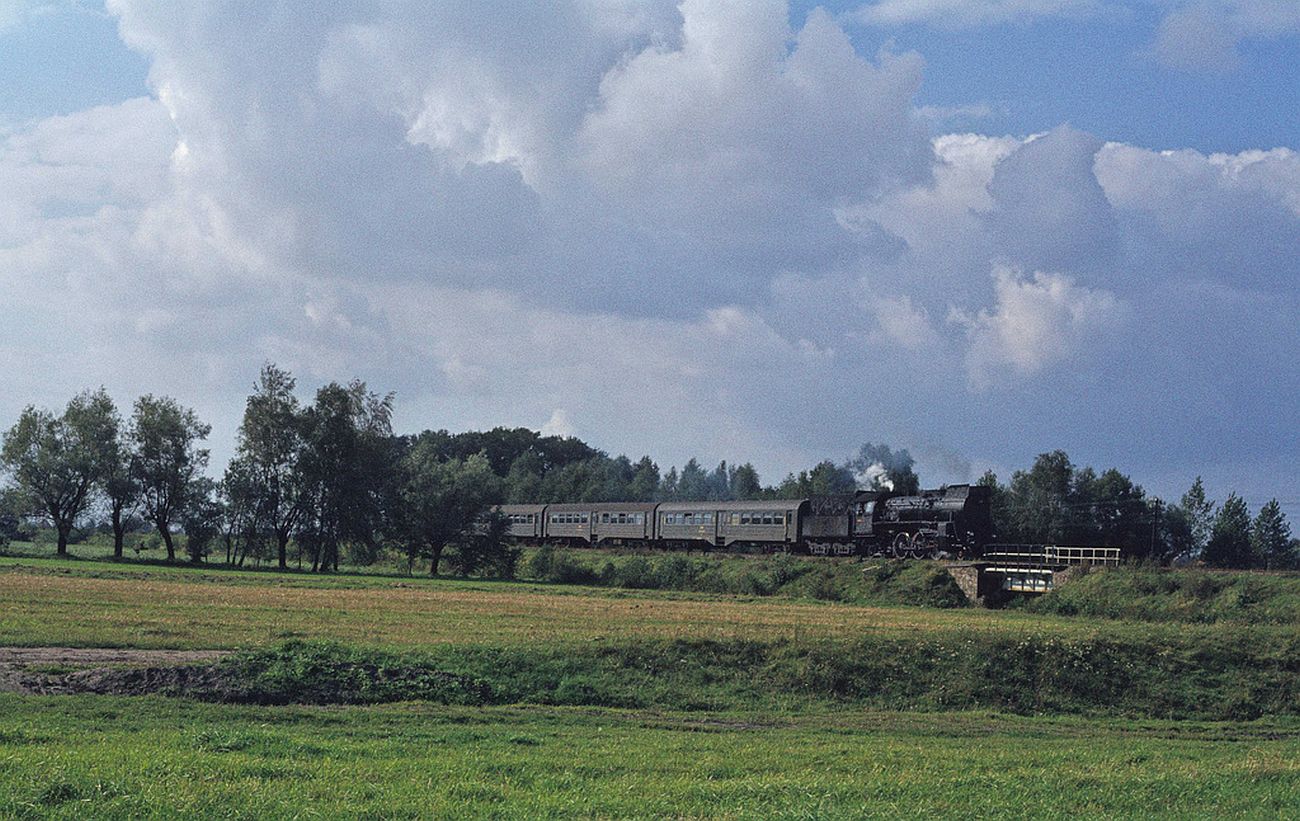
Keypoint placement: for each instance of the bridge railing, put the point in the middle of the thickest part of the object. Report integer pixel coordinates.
(1052, 555)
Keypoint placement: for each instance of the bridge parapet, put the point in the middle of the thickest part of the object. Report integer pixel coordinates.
(1050, 555)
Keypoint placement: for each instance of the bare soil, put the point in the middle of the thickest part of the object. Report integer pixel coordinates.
(53, 670)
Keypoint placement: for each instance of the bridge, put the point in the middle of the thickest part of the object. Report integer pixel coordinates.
(1026, 568)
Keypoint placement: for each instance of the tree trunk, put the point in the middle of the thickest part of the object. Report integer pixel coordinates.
(167, 540)
(119, 533)
(282, 549)
(437, 557)
(63, 540)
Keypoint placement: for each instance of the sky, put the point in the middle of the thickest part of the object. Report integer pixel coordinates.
(976, 229)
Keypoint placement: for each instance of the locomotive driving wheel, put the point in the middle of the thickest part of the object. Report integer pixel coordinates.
(925, 546)
(916, 548)
(901, 546)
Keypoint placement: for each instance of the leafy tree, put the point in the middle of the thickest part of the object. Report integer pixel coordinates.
(121, 490)
(203, 519)
(693, 482)
(668, 488)
(56, 461)
(348, 469)
(523, 484)
(1230, 539)
(271, 451)
(485, 551)
(441, 499)
(1038, 500)
(826, 478)
(644, 486)
(1200, 515)
(1271, 541)
(744, 483)
(242, 529)
(166, 461)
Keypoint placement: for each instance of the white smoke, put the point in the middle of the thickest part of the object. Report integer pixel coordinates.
(874, 476)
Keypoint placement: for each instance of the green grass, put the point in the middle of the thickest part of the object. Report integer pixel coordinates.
(77, 757)
(90, 604)
(1183, 595)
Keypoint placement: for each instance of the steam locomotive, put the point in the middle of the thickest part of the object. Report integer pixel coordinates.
(951, 521)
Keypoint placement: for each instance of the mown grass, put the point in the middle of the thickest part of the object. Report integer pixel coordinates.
(86, 605)
(77, 757)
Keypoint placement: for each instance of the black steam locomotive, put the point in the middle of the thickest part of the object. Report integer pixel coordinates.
(953, 521)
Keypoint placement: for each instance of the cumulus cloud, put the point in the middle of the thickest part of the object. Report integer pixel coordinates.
(1036, 321)
(693, 230)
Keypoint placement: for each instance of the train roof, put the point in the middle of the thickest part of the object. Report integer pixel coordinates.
(599, 507)
(762, 504)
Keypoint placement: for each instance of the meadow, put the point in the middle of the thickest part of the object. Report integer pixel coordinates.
(601, 701)
(75, 757)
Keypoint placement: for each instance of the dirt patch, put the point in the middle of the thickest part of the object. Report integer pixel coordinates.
(261, 677)
(45, 669)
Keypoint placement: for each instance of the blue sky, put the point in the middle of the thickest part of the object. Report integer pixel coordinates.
(979, 229)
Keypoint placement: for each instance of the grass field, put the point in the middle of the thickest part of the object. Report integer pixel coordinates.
(56, 603)
(743, 706)
(126, 758)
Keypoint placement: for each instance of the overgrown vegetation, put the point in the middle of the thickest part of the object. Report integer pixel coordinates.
(1186, 595)
(1216, 680)
(913, 583)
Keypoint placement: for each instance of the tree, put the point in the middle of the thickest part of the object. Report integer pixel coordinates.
(270, 451)
(523, 484)
(825, 479)
(1038, 500)
(644, 486)
(203, 519)
(166, 461)
(745, 484)
(56, 461)
(121, 490)
(1200, 515)
(1270, 536)
(484, 549)
(348, 471)
(1229, 544)
(440, 499)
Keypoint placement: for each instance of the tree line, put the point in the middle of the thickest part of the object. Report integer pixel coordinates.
(1055, 502)
(328, 481)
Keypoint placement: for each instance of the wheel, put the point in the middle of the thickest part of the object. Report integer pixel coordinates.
(901, 545)
(916, 547)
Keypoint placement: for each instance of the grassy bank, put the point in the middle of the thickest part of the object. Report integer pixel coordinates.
(1125, 677)
(1181, 595)
(73, 756)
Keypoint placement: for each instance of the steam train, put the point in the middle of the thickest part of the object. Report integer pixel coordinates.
(951, 521)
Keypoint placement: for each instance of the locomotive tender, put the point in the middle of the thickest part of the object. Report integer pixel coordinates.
(954, 520)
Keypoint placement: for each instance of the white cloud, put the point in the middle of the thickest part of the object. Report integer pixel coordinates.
(1203, 35)
(1036, 322)
(696, 231)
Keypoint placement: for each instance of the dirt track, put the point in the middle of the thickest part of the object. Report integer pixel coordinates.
(28, 669)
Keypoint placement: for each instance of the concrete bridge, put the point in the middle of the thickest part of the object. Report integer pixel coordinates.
(1026, 568)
